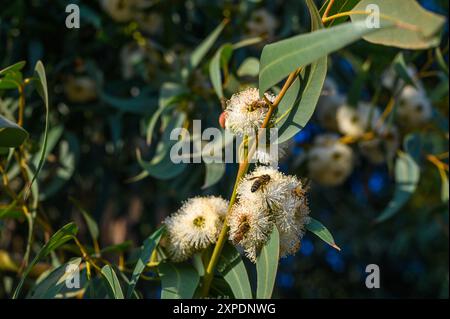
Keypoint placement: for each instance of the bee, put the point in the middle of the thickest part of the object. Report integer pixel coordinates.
(243, 228)
(257, 104)
(302, 188)
(260, 181)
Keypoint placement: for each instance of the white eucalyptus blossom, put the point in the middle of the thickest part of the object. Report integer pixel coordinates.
(246, 111)
(250, 226)
(330, 162)
(276, 200)
(195, 226)
(328, 104)
(355, 122)
(262, 24)
(80, 89)
(383, 147)
(414, 108)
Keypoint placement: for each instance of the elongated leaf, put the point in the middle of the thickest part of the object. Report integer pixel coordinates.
(15, 67)
(200, 52)
(318, 229)
(55, 281)
(415, 27)
(114, 285)
(179, 281)
(267, 265)
(161, 166)
(90, 222)
(146, 252)
(232, 268)
(401, 69)
(41, 87)
(298, 105)
(221, 58)
(58, 239)
(169, 94)
(11, 134)
(214, 172)
(68, 154)
(407, 175)
(283, 57)
(250, 67)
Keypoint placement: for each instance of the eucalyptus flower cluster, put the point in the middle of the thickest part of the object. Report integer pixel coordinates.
(195, 226)
(246, 111)
(330, 162)
(266, 199)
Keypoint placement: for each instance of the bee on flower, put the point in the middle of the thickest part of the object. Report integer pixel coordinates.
(267, 199)
(245, 112)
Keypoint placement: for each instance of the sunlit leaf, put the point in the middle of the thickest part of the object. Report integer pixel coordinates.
(232, 268)
(318, 229)
(267, 265)
(414, 27)
(114, 285)
(283, 57)
(179, 281)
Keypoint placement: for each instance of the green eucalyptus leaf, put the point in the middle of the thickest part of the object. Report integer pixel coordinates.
(214, 172)
(58, 239)
(401, 69)
(146, 252)
(55, 282)
(113, 282)
(318, 229)
(298, 105)
(11, 134)
(220, 59)
(232, 268)
(283, 57)
(179, 281)
(267, 265)
(16, 67)
(414, 27)
(250, 67)
(90, 222)
(41, 87)
(200, 52)
(407, 174)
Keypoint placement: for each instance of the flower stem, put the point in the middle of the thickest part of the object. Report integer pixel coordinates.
(243, 168)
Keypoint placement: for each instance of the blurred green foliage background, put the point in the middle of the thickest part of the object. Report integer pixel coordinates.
(104, 81)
